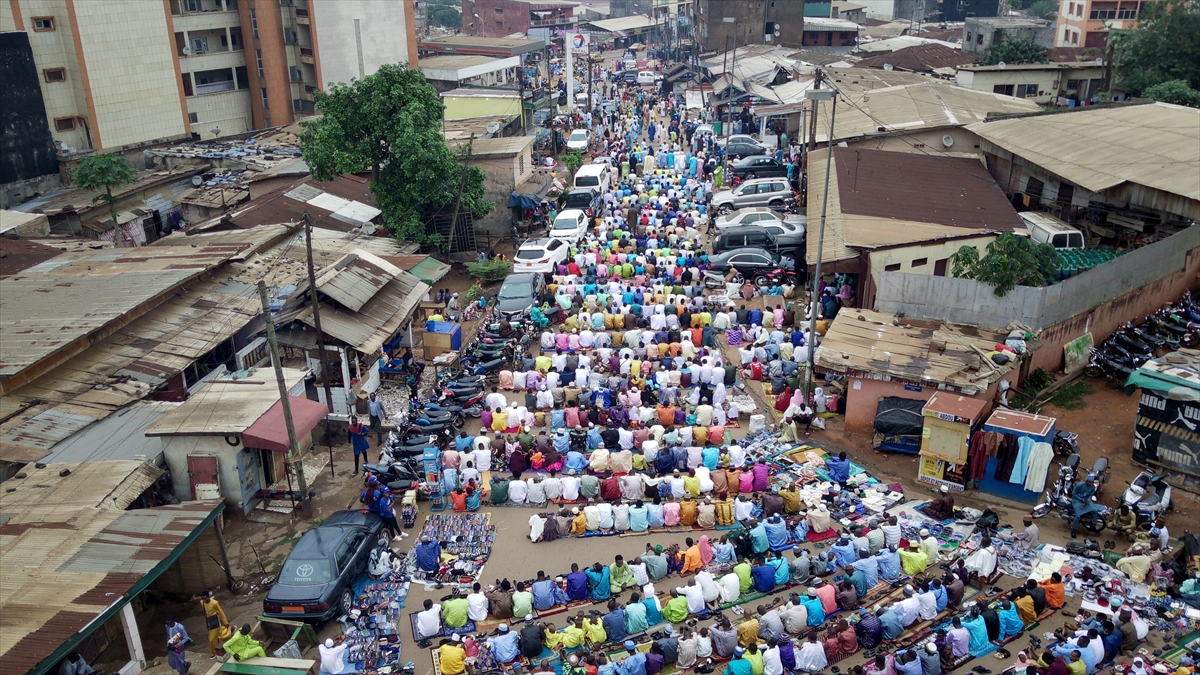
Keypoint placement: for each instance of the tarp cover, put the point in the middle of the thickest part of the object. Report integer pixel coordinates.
(270, 432)
(897, 416)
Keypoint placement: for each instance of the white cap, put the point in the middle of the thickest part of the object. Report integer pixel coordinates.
(945, 489)
(456, 637)
(503, 628)
(329, 643)
(930, 647)
(924, 532)
(529, 617)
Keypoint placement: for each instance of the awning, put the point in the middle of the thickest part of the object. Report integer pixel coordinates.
(270, 432)
(430, 270)
(532, 191)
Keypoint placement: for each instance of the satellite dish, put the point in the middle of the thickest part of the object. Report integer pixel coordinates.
(887, 66)
(493, 127)
(1099, 61)
(1002, 65)
(187, 51)
(947, 140)
(367, 228)
(197, 181)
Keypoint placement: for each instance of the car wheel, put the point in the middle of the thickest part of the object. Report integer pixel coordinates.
(775, 204)
(762, 281)
(724, 209)
(347, 601)
(738, 279)
(751, 176)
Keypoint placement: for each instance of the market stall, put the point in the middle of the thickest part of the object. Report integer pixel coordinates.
(948, 420)
(1019, 467)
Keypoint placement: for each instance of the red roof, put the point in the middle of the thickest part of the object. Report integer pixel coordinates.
(920, 58)
(270, 431)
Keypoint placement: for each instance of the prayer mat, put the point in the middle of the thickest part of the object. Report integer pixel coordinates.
(831, 533)
(447, 631)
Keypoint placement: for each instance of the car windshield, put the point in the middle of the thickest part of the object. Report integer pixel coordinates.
(306, 572)
(566, 224)
(516, 290)
(578, 135)
(530, 253)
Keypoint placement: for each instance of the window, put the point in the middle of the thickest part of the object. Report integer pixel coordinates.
(1026, 90)
(1072, 85)
(258, 61)
(1066, 34)
(1103, 14)
(345, 552)
(55, 74)
(1074, 38)
(1071, 8)
(979, 38)
(64, 124)
(41, 24)
(1006, 89)
(266, 102)
(1127, 13)
(193, 118)
(254, 23)
(894, 267)
(1079, 10)
(520, 164)
(968, 36)
(919, 262)
(500, 10)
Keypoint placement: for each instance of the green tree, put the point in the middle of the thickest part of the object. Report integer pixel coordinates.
(104, 172)
(1165, 46)
(445, 16)
(389, 123)
(1044, 9)
(1010, 261)
(572, 160)
(1015, 50)
(1174, 91)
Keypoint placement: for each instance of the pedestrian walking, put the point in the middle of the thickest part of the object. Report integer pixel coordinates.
(177, 642)
(377, 413)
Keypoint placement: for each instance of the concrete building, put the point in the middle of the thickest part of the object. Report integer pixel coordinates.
(499, 18)
(118, 76)
(1041, 82)
(981, 33)
(507, 165)
(28, 156)
(725, 24)
(454, 71)
(835, 34)
(1086, 23)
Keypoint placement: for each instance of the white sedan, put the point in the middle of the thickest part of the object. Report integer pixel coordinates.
(569, 226)
(540, 255)
(578, 140)
(756, 215)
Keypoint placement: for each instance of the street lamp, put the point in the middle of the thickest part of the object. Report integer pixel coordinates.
(816, 95)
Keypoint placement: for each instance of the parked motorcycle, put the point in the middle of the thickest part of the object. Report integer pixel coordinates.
(1103, 364)
(1148, 495)
(1058, 498)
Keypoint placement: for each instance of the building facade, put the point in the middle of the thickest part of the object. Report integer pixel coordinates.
(118, 76)
(1041, 82)
(498, 18)
(727, 24)
(1086, 23)
(982, 33)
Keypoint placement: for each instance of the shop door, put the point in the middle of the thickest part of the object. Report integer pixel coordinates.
(203, 476)
(249, 474)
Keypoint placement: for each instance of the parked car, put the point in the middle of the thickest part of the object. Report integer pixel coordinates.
(579, 139)
(587, 200)
(629, 76)
(754, 264)
(540, 255)
(569, 226)
(758, 166)
(789, 237)
(518, 294)
(752, 215)
(744, 237)
(757, 192)
(645, 77)
(739, 150)
(737, 138)
(316, 582)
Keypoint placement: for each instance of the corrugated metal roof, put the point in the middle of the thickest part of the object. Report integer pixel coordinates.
(1099, 148)
(424, 267)
(876, 343)
(226, 406)
(120, 436)
(920, 59)
(356, 278)
(378, 320)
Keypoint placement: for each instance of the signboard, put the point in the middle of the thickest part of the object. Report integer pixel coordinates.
(577, 41)
(1167, 433)
(938, 472)
(1076, 353)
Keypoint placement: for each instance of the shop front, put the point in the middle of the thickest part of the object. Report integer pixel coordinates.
(948, 422)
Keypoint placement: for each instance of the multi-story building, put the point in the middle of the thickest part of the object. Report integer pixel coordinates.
(724, 24)
(1086, 23)
(983, 33)
(500, 18)
(120, 75)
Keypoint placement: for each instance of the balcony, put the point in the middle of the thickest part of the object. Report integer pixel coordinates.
(302, 16)
(214, 87)
(306, 55)
(552, 21)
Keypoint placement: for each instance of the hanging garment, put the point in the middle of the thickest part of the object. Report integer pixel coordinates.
(1007, 456)
(977, 456)
(1021, 465)
(1039, 466)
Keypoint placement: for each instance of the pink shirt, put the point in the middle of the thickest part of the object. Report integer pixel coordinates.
(671, 514)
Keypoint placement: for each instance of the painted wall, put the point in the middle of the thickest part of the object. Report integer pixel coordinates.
(930, 252)
(131, 65)
(861, 403)
(28, 150)
(229, 111)
(1049, 82)
(466, 107)
(56, 49)
(356, 37)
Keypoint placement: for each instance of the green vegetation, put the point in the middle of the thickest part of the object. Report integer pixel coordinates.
(104, 172)
(489, 271)
(1072, 396)
(572, 160)
(445, 13)
(389, 123)
(1044, 9)
(1014, 51)
(1163, 48)
(1174, 91)
(1010, 261)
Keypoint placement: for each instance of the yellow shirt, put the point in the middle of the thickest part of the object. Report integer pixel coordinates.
(572, 636)
(500, 420)
(453, 659)
(747, 632)
(595, 631)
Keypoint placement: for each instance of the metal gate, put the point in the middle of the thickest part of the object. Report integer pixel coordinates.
(204, 476)
(460, 237)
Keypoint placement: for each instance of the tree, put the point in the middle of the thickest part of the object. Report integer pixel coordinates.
(1015, 50)
(1010, 261)
(389, 123)
(445, 16)
(1165, 46)
(104, 172)
(572, 160)
(1174, 91)
(1044, 9)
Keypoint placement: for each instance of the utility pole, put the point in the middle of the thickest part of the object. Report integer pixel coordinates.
(316, 305)
(462, 184)
(293, 444)
(812, 320)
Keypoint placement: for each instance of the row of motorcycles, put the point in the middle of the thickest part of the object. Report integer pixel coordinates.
(1128, 347)
(1148, 495)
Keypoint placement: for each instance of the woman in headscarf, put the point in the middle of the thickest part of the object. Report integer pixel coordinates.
(706, 549)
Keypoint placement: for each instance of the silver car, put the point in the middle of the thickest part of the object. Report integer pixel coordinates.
(757, 192)
(752, 216)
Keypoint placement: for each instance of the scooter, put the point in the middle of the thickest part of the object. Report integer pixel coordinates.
(1148, 496)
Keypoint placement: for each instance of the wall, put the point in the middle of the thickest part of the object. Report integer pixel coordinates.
(862, 403)
(878, 9)
(963, 142)
(132, 72)
(1050, 83)
(978, 34)
(176, 450)
(718, 35)
(467, 107)
(904, 256)
(514, 17)
(28, 149)
(1125, 289)
(56, 49)
(356, 37)
(498, 184)
(229, 111)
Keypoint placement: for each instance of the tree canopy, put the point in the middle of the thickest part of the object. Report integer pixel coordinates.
(1015, 50)
(445, 16)
(1174, 91)
(1010, 261)
(1164, 46)
(389, 123)
(103, 173)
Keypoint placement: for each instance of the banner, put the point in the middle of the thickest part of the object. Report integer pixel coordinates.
(1167, 433)
(577, 41)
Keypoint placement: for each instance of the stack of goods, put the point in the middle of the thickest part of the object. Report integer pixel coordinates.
(467, 540)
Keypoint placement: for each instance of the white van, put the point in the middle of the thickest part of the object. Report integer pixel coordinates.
(596, 176)
(569, 226)
(1044, 228)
